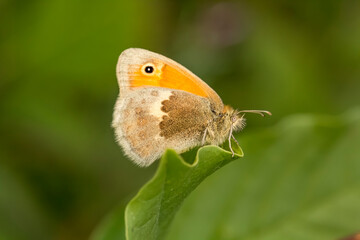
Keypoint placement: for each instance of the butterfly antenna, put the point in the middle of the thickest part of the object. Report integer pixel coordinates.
(260, 112)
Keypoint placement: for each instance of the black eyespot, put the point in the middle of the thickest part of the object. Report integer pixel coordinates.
(149, 69)
(213, 111)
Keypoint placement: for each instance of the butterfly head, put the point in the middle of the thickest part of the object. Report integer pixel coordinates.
(224, 122)
(227, 122)
(235, 118)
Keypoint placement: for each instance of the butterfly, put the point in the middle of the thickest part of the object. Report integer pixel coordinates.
(162, 105)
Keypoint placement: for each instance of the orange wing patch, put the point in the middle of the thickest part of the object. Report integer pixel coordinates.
(166, 76)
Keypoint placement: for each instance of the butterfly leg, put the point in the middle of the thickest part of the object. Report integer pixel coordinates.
(230, 135)
(204, 137)
(235, 140)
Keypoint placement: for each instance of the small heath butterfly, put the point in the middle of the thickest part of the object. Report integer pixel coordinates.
(163, 105)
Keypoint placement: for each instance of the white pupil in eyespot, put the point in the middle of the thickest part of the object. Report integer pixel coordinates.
(149, 69)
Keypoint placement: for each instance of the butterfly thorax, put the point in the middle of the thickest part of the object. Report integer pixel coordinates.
(222, 124)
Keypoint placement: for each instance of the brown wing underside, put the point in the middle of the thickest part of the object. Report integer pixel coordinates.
(187, 116)
(148, 125)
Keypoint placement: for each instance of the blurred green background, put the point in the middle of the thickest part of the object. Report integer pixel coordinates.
(61, 171)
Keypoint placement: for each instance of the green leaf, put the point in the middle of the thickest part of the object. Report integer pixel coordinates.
(150, 212)
(298, 180)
